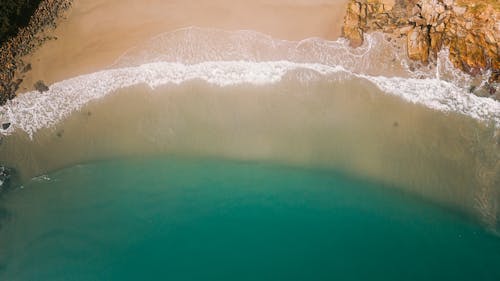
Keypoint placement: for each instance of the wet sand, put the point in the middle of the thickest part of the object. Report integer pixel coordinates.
(97, 32)
(349, 126)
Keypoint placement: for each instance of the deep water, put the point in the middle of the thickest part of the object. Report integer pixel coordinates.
(176, 218)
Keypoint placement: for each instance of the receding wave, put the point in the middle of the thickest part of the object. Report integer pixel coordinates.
(227, 58)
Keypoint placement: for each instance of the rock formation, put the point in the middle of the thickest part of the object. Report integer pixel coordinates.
(470, 29)
(27, 40)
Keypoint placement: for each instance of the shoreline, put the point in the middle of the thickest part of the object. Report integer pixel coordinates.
(223, 57)
(87, 42)
(98, 32)
(68, 96)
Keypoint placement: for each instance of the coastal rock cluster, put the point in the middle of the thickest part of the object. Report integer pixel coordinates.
(469, 29)
(12, 67)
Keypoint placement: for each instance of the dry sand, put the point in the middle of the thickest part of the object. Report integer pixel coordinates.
(96, 32)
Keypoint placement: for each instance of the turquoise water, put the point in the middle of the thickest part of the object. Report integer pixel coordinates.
(204, 219)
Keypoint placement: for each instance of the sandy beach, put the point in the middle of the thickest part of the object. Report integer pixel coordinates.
(96, 32)
(314, 103)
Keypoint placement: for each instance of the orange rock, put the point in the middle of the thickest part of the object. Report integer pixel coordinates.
(418, 44)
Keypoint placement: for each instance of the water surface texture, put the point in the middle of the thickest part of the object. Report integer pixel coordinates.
(173, 218)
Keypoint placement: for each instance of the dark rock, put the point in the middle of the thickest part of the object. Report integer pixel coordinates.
(26, 68)
(40, 86)
(492, 90)
(15, 85)
(5, 126)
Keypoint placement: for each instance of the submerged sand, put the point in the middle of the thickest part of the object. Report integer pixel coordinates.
(97, 32)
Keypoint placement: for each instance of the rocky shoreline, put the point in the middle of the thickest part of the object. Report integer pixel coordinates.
(469, 29)
(13, 67)
(27, 40)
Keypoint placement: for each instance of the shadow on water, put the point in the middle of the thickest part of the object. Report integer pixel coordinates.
(8, 178)
(5, 215)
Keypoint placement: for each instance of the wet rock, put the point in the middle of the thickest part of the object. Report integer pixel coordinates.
(5, 126)
(40, 86)
(492, 90)
(26, 68)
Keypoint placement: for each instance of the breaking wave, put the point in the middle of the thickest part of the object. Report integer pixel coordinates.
(226, 58)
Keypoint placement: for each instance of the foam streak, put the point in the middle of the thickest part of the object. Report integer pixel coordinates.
(33, 111)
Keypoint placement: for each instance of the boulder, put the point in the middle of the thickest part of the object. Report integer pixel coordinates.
(418, 44)
(40, 86)
(351, 28)
(5, 126)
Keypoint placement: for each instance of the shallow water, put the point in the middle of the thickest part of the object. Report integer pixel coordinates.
(345, 124)
(205, 219)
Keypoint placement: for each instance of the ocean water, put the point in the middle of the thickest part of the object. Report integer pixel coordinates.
(187, 218)
(293, 161)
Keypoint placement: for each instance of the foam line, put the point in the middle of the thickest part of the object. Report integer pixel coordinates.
(33, 111)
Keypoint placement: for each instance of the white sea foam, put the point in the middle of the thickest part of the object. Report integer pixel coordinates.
(41, 178)
(229, 58)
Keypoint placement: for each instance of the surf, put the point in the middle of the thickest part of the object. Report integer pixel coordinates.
(225, 58)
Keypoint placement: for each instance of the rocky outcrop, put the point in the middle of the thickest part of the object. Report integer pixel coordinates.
(27, 40)
(470, 29)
